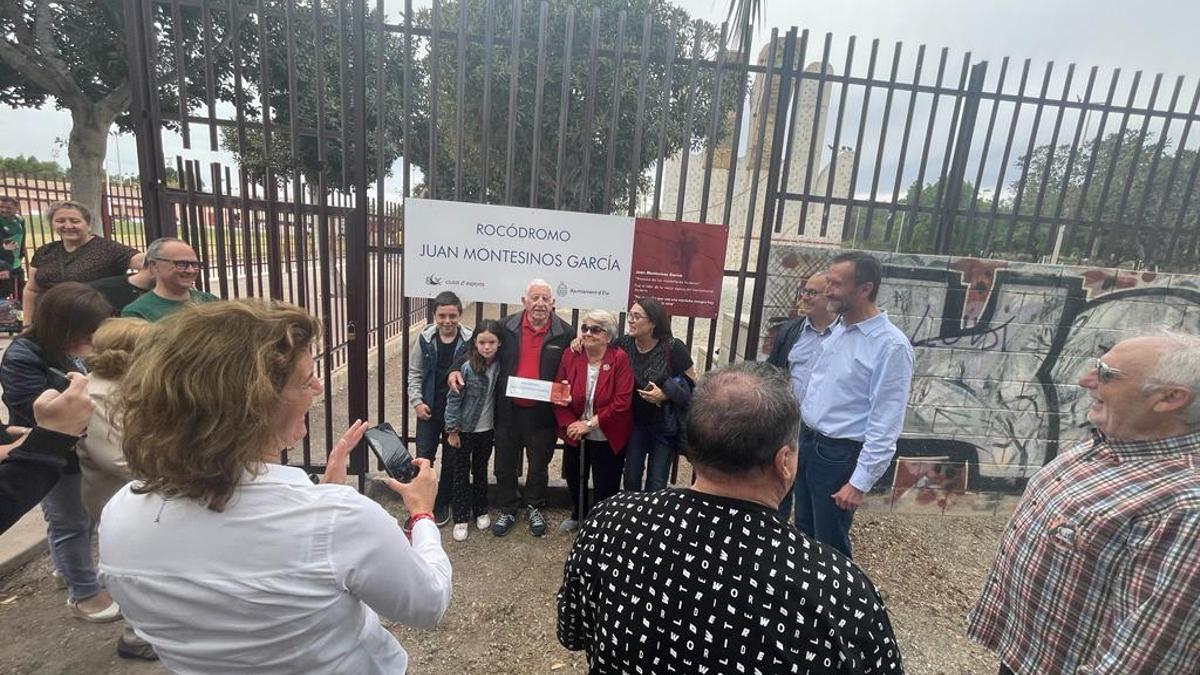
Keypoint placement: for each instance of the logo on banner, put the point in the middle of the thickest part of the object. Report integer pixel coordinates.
(433, 280)
(562, 289)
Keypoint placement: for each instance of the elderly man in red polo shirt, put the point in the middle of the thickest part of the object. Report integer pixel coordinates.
(531, 347)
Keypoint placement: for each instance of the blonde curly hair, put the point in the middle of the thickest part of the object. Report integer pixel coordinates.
(113, 345)
(198, 402)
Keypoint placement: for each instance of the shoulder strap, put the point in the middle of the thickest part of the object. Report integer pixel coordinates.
(667, 344)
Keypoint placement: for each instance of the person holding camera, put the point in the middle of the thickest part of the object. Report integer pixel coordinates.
(227, 561)
(34, 460)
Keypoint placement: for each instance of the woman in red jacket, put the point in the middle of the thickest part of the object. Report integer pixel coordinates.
(598, 415)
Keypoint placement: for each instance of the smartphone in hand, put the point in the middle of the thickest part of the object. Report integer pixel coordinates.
(57, 379)
(389, 448)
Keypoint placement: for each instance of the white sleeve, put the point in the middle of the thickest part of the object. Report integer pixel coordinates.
(373, 560)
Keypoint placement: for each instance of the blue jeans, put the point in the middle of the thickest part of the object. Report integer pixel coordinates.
(825, 465)
(429, 436)
(647, 443)
(69, 533)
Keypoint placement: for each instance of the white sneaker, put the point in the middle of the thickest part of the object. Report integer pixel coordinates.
(568, 526)
(483, 522)
(460, 531)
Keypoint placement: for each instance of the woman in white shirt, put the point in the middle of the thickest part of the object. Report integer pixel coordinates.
(226, 561)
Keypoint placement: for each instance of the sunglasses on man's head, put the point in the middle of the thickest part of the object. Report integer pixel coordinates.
(594, 330)
(1106, 373)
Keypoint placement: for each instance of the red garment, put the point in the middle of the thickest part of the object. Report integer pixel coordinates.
(529, 359)
(612, 400)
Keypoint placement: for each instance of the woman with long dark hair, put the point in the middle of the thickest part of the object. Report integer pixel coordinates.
(61, 335)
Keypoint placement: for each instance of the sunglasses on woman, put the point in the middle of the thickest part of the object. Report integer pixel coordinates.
(594, 330)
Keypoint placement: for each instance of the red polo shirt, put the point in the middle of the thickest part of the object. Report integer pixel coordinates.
(530, 357)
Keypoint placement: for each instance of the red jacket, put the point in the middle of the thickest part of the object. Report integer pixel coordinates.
(612, 399)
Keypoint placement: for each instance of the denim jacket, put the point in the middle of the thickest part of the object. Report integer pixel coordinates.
(464, 407)
(422, 364)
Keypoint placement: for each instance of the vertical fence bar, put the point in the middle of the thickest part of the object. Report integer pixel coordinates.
(908, 118)
(539, 92)
(514, 61)
(564, 107)
(1072, 230)
(639, 124)
(759, 153)
(1151, 240)
(1012, 132)
(1176, 161)
(614, 116)
(973, 232)
(914, 208)
(958, 165)
(1037, 120)
(772, 197)
(826, 207)
(1114, 158)
(935, 224)
(1057, 230)
(1030, 242)
(883, 127)
(814, 143)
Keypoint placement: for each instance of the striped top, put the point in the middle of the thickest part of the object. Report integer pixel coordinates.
(1099, 568)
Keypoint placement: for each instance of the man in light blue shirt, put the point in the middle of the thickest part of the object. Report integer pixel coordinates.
(798, 343)
(854, 403)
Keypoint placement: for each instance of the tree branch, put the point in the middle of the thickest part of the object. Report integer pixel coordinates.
(20, 26)
(51, 57)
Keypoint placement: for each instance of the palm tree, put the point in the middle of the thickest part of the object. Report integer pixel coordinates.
(742, 12)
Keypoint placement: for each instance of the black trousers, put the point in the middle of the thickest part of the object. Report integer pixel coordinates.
(525, 431)
(470, 475)
(606, 469)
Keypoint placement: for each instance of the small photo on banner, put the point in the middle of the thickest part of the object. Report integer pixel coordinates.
(681, 264)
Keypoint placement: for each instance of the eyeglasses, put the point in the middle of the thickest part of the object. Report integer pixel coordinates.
(182, 265)
(594, 330)
(633, 316)
(809, 292)
(1106, 373)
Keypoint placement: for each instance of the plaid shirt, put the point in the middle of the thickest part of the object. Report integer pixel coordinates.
(1099, 568)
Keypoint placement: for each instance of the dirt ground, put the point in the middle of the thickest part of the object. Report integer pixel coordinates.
(502, 619)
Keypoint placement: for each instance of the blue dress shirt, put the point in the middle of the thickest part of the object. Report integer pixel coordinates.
(803, 355)
(858, 390)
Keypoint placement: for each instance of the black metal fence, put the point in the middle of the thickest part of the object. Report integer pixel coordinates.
(334, 112)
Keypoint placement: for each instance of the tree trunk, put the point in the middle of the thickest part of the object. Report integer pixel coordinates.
(86, 149)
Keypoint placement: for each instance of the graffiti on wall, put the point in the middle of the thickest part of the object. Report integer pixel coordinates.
(999, 346)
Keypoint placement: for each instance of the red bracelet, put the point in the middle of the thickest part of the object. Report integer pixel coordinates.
(412, 520)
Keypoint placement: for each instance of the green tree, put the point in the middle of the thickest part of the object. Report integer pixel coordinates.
(31, 166)
(670, 26)
(1118, 224)
(73, 54)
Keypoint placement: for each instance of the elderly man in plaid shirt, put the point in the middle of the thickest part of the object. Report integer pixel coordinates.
(1099, 569)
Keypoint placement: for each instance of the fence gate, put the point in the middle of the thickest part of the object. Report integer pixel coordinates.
(298, 127)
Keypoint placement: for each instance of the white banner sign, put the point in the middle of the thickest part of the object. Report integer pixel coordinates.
(490, 253)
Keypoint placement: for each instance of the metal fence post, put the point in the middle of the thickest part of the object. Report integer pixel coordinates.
(157, 218)
(958, 166)
(357, 288)
(787, 74)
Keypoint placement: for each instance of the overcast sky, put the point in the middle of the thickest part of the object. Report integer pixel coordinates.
(1152, 35)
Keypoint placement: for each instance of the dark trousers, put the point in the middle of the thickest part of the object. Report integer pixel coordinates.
(525, 431)
(470, 475)
(605, 468)
(429, 436)
(651, 452)
(825, 465)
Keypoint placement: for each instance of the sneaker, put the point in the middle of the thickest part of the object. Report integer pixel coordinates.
(106, 615)
(537, 522)
(567, 526)
(460, 532)
(441, 516)
(483, 522)
(503, 524)
(60, 581)
(130, 646)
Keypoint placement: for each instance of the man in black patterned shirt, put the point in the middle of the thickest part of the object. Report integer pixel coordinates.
(708, 580)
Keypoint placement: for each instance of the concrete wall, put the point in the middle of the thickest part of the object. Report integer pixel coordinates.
(999, 346)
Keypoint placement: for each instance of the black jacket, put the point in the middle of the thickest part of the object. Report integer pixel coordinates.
(785, 339)
(25, 374)
(30, 471)
(558, 338)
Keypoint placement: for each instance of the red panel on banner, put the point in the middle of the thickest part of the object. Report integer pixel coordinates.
(680, 264)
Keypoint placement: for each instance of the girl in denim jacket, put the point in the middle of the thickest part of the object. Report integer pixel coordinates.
(469, 427)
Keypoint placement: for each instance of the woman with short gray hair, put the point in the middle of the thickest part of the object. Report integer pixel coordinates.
(595, 423)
